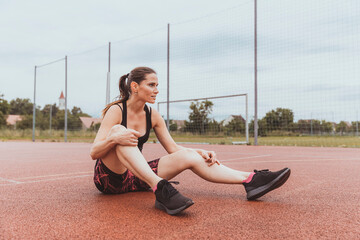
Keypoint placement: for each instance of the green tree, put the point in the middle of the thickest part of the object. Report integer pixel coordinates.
(57, 121)
(313, 126)
(326, 127)
(316, 126)
(237, 125)
(25, 123)
(50, 107)
(198, 117)
(2, 120)
(173, 125)
(4, 105)
(355, 127)
(279, 119)
(73, 123)
(76, 111)
(304, 126)
(21, 106)
(262, 127)
(214, 127)
(94, 127)
(342, 128)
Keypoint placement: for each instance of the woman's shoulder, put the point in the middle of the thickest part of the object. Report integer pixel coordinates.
(114, 112)
(116, 108)
(153, 111)
(155, 117)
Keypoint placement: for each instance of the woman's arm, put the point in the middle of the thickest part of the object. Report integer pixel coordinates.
(163, 134)
(170, 145)
(112, 133)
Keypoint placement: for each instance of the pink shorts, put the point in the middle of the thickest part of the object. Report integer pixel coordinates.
(109, 182)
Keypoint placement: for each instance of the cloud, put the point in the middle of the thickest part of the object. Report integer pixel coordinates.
(307, 51)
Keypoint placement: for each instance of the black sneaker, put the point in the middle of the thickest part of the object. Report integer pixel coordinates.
(169, 199)
(265, 181)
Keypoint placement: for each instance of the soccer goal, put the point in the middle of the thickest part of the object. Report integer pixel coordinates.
(209, 117)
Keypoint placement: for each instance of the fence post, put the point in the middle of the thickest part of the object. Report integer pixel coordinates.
(108, 78)
(50, 117)
(34, 107)
(66, 99)
(255, 58)
(168, 77)
(311, 125)
(247, 120)
(357, 124)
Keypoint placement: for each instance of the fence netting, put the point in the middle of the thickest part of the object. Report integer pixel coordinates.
(308, 74)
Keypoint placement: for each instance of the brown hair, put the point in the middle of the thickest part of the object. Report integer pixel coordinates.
(136, 75)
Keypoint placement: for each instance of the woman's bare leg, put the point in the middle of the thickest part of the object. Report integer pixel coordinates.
(173, 164)
(133, 160)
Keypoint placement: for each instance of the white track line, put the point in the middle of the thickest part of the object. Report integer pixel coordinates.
(9, 180)
(316, 157)
(54, 175)
(44, 180)
(234, 159)
(300, 160)
(55, 179)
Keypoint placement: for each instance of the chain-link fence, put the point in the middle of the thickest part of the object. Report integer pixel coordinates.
(308, 74)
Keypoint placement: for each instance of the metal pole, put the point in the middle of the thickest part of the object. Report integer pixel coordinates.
(50, 117)
(168, 77)
(108, 78)
(247, 121)
(357, 124)
(333, 124)
(311, 125)
(255, 59)
(34, 107)
(66, 99)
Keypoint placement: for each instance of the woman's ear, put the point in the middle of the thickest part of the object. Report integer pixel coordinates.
(134, 87)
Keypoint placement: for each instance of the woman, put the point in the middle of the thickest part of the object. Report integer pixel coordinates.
(120, 166)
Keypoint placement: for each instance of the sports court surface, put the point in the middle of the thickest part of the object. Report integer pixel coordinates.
(47, 192)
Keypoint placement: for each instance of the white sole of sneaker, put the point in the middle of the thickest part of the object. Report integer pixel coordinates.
(277, 182)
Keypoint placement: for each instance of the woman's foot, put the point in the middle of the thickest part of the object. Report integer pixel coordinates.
(265, 181)
(169, 199)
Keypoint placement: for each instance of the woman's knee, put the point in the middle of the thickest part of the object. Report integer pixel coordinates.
(190, 156)
(118, 128)
(121, 148)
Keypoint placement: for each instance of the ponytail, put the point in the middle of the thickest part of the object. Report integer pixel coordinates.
(124, 93)
(136, 75)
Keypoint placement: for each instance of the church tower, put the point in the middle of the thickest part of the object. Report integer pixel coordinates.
(62, 101)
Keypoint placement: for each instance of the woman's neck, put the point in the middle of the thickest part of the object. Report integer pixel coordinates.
(135, 105)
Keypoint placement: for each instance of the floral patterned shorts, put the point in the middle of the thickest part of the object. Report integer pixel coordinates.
(109, 182)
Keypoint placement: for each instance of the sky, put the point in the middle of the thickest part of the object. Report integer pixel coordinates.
(308, 53)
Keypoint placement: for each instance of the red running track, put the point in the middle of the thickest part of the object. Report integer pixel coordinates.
(47, 192)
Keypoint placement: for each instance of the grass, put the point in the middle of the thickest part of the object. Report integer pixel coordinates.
(306, 141)
(88, 136)
(46, 135)
(311, 141)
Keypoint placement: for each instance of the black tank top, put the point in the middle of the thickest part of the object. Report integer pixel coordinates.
(144, 138)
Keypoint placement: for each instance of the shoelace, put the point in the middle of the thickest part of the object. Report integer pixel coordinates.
(262, 171)
(168, 190)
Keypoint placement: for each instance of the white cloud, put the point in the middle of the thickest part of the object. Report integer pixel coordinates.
(308, 50)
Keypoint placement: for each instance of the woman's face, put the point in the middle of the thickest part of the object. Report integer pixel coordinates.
(147, 90)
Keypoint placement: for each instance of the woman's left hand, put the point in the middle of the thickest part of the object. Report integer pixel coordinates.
(209, 156)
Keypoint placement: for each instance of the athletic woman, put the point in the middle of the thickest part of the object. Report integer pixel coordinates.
(120, 166)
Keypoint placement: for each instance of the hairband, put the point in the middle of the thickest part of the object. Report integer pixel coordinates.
(127, 75)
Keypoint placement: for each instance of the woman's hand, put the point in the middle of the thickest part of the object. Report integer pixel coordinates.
(209, 156)
(123, 136)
